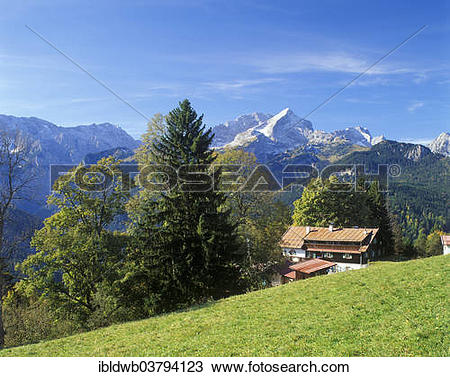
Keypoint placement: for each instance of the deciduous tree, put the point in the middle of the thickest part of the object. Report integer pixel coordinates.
(16, 176)
(77, 250)
(327, 201)
(261, 219)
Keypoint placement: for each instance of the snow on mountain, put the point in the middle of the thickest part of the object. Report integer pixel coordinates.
(281, 132)
(265, 135)
(441, 144)
(378, 139)
(319, 137)
(358, 135)
(351, 135)
(51, 144)
(287, 129)
(226, 132)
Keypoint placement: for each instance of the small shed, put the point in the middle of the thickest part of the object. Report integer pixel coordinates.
(307, 269)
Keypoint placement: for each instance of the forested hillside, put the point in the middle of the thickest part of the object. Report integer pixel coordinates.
(419, 196)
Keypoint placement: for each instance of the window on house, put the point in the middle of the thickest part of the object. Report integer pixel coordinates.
(347, 256)
(328, 255)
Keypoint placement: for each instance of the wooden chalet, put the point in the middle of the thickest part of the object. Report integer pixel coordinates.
(346, 248)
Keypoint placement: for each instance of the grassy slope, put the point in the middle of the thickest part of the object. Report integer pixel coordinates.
(389, 309)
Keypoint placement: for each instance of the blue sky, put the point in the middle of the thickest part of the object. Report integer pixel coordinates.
(229, 58)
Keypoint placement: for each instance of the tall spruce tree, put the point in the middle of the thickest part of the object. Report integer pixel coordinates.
(185, 247)
(381, 218)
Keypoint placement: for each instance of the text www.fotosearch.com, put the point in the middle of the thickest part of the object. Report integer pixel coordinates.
(201, 367)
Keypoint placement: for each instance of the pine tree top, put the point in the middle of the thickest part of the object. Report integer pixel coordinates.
(185, 141)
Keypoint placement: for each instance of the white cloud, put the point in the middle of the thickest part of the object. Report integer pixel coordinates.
(371, 80)
(420, 141)
(419, 78)
(239, 84)
(89, 99)
(365, 100)
(33, 62)
(416, 105)
(329, 62)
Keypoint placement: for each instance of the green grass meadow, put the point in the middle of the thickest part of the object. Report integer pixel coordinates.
(388, 309)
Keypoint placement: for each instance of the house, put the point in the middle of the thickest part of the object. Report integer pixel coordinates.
(347, 248)
(445, 244)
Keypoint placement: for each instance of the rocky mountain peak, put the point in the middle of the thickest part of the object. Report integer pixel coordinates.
(441, 144)
(416, 152)
(283, 132)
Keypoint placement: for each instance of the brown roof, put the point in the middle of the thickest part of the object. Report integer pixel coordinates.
(293, 237)
(312, 265)
(290, 275)
(296, 235)
(445, 240)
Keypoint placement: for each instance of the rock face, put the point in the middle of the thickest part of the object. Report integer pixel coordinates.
(358, 136)
(441, 144)
(226, 132)
(266, 135)
(63, 145)
(416, 152)
(378, 139)
(392, 152)
(263, 134)
(51, 144)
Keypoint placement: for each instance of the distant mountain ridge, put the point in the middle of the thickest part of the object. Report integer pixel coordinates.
(266, 135)
(52, 144)
(420, 194)
(391, 152)
(118, 153)
(276, 140)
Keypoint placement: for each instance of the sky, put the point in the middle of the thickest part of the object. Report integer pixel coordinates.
(229, 58)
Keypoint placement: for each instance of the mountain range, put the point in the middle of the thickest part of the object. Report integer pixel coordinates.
(274, 139)
(52, 144)
(266, 135)
(263, 134)
(419, 195)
